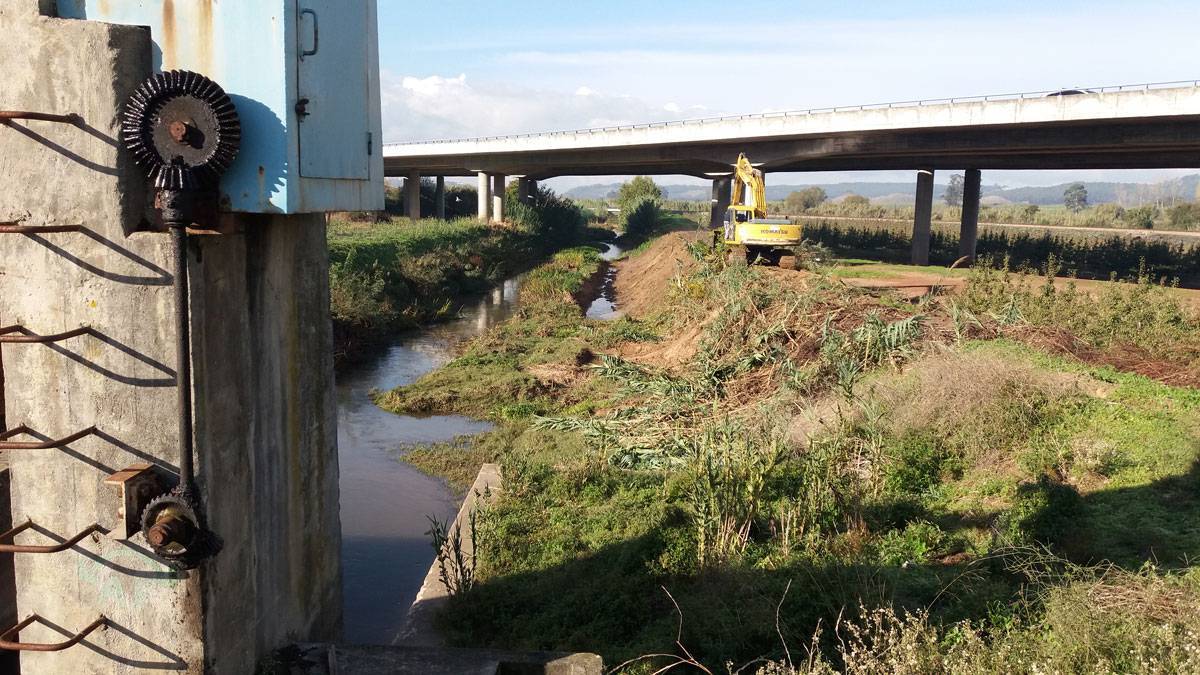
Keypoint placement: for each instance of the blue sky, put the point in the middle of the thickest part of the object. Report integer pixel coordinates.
(453, 68)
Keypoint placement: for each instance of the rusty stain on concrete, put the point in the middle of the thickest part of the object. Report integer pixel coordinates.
(169, 57)
(204, 36)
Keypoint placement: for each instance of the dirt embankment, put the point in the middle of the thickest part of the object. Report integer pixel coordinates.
(642, 285)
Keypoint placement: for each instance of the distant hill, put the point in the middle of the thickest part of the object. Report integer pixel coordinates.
(1184, 188)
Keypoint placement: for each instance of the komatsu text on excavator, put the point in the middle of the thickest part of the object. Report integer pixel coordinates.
(747, 227)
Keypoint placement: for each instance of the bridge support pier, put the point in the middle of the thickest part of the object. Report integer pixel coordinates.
(526, 189)
(439, 199)
(922, 217)
(483, 192)
(498, 197)
(722, 193)
(412, 195)
(968, 234)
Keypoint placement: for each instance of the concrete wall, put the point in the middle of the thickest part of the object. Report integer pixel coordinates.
(266, 423)
(265, 420)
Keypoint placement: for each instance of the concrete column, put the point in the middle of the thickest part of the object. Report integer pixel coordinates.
(923, 217)
(722, 192)
(532, 190)
(525, 190)
(484, 193)
(968, 235)
(412, 195)
(498, 197)
(439, 199)
(265, 410)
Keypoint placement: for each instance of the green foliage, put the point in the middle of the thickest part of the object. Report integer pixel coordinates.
(1075, 197)
(855, 201)
(802, 200)
(1141, 217)
(915, 544)
(953, 195)
(640, 202)
(1139, 313)
(642, 218)
(637, 189)
(729, 469)
(395, 274)
(768, 505)
(1185, 216)
(456, 559)
(1043, 512)
(1088, 256)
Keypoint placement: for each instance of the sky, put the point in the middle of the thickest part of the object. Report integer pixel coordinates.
(453, 69)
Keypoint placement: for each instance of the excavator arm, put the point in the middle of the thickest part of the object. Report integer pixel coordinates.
(749, 188)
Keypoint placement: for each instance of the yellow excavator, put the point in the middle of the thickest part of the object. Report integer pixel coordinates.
(747, 227)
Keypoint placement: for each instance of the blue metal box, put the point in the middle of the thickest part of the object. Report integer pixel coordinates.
(304, 75)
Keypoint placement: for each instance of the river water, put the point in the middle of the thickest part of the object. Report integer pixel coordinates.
(385, 502)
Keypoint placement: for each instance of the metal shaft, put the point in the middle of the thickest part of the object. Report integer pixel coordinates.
(183, 356)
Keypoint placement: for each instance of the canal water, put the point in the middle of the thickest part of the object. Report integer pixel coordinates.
(384, 501)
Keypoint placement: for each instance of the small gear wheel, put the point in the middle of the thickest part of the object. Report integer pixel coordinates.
(171, 527)
(183, 129)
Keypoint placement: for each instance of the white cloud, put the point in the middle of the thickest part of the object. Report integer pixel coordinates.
(437, 107)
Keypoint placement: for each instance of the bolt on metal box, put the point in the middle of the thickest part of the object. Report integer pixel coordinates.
(304, 75)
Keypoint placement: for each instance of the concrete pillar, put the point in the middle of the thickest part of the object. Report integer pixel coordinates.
(922, 217)
(722, 192)
(484, 193)
(498, 197)
(412, 195)
(264, 405)
(968, 235)
(439, 199)
(533, 190)
(524, 190)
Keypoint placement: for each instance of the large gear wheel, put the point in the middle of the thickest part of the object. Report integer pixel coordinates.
(171, 527)
(182, 129)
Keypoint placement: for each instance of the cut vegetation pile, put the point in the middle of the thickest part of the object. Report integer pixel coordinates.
(761, 466)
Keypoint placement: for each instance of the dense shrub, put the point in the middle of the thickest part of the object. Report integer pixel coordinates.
(642, 218)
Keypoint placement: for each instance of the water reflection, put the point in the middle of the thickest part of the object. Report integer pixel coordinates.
(605, 305)
(384, 503)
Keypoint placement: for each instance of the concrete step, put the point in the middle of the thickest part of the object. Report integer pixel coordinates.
(338, 659)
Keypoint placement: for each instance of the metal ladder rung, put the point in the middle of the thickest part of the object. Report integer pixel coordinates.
(53, 548)
(23, 430)
(27, 337)
(17, 228)
(69, 118)
(13, 646)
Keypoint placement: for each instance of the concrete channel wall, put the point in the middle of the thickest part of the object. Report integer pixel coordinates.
(265, 418)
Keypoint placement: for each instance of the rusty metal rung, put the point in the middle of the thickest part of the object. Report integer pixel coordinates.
(10, 645)
(69, 118)
(26, 337)
(17, 228)
(54, 548)
(23, 430)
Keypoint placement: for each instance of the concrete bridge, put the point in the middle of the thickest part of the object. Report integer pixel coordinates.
(1125, 127)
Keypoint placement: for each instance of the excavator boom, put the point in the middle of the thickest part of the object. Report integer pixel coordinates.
(749, 188)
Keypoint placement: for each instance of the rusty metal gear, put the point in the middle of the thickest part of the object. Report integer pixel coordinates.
(175, 532)
(183, 129)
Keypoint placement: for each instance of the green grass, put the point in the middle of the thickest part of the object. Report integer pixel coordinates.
(493, 378)
(397, 274)
(824, 460)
